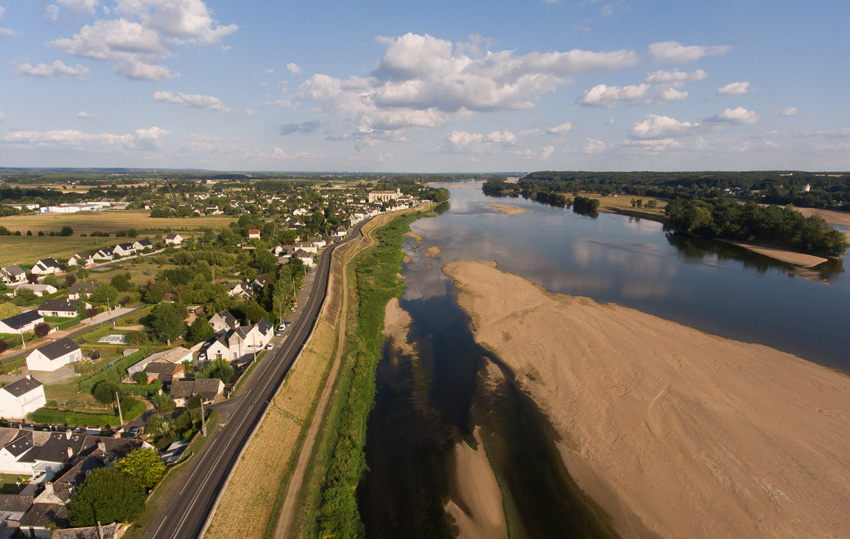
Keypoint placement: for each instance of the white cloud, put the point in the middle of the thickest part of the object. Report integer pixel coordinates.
(657, 127)
(293, 68)
(423, 81)
(831, 133)
(603, 95)
(494, 142)
(672, 51)
(2, 11)
(51, 12)
(675, 77)
(85, 115)
(250, 113)
(734, 88)
(654, 146)
(560, 129)
(2, 116)
(80, 6)
(148, 32)
(57, 68)
(196, 101)
(738, 115)
(546, 151)
(790, 111)
(6, 32)
(501, 137)
(142, 140)
(606, 10)
(593, 146)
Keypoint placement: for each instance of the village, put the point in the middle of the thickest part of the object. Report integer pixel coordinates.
(126, 349)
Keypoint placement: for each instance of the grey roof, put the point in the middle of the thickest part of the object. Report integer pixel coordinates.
(15, 503)
(14, 269)
(20, 445)
(55, 449)
(42, 514)
(20, 320)
(126, 246)
(48, 263)
(76, 288)
(182, 389)
(22, 386)
(83, 254)
(145, 242)
(58, 305)
(228, 318)
(171, 236)
(107, 531)
(58, 348)
(161, 367)
(8, 434)
(207, 388)
(264, 326)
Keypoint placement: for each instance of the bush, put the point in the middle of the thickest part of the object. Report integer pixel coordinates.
(163, 402)
(105, 391)
(131, 408)
(140, 389)
(115, 372)
(68, 417)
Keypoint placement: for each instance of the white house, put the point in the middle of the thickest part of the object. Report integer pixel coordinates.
(173, 356)
(81, 288)
(81, 259)
(107, 253)
(208, 388)
(21, 323)
(141, 245)
(37, 289)
(223, 321)
(45, 266)
(173, 239)
(21, 397)
(124, 249)
(13, 274)
(54, 355)
(58, 307)
(305, 257)
(253, 234)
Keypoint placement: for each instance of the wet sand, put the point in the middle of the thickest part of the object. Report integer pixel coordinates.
(508, 209)
(673, 431)
(791, 257)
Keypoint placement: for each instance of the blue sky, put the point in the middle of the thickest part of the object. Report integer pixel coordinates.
(425, 87)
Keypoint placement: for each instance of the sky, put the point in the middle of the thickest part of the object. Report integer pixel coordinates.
(438, 86)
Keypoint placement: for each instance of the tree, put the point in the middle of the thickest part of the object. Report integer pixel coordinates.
(166, 320)
(82, 273)
(66, 231)
(42, 329)
(7, 310)
(163, 402)
(92, 311)
(220, 368)
(107, 495)
(70, 279)
(200, 331)
(141, 378)
(104, 392)
(144, 466)
(104, 293)
(3, 346)
(121, 282)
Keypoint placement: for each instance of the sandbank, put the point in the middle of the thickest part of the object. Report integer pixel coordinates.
(791, 257)
(433, 251)
(508, 209)
(414, 235)
(475, 504)
(830, 216)
(396, 324)
(670, 429)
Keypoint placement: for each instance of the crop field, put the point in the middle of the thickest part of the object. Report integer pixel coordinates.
(29, 249)
(110, 221)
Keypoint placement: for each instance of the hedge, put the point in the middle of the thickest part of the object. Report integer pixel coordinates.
(114, 372)
(140, 389)
(69, 417)
(133, 411)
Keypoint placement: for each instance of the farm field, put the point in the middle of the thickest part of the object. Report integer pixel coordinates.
(29, 249)
(110, 221)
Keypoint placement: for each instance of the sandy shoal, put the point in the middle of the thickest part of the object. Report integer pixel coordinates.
(508, 209)
(830, 216)
(433, 251)
(668, 428)
(396, 325)
(791, 257)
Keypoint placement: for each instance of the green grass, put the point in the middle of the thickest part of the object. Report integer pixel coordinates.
(110, 222)
(7, 484)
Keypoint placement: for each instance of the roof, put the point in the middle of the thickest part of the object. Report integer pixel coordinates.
(15, 503)
(254, 231)
(14, 269)
(48, 263)
(20, 320)
(208, 388)
(20, 445)
(42, 514)
(162, 367)
(171, 236)
(83, 254)
(22, 386)
(59, 348)
(264, 326)
(228, 318)
(55, 449)
(76, 288)
(182, 389)
(107, 531)
(58, 305)
(144, 242)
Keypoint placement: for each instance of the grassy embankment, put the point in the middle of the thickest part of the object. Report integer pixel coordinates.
(29, 249)
(622, 204)
(339, 461)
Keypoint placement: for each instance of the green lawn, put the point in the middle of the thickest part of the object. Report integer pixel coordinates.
(7, 484)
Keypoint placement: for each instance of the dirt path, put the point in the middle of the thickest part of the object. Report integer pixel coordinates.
(290, 502)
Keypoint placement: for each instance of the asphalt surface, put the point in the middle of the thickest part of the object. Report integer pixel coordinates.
(186, 516)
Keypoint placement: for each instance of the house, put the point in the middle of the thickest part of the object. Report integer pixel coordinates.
(81, 259)
(173, 239)
(307, 246)
(21, 323)
(107, 253)
(164, 371)
(253, 234)
(242, 290)
(106, 531)
(37, 289)
(12, 509)
(305, 257)
(59, 307)
(21, 397)
(13, 274)
(209, 388)
(124, 249)
(259, 334)
(174, 356)
(223, 321)
(141, 245)
(42, 518)
(319, 243)
(77, 289)
(258, 283)
(54, 355)
(45, 266)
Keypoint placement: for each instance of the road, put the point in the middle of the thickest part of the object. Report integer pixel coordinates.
(186, 516)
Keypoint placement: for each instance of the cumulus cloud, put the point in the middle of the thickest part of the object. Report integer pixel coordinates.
(493, 142)
(841, 132)
(6, 32)
(546, 151)
(675, 77)
(560, 129)
(423, 81)
(655, 126)
(790, 111)
(738, 115)
(293, 68)
(593, 146)
(674, 52)
(302, 128)
(196, 101)
(250, 113)
(85, 115)
(57, 68)
(734, 88)
(654, 145)
(141, 140)
(144, 35)
(80, 6)
(603, 95)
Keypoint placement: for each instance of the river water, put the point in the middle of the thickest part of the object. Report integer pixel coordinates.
(425, 405)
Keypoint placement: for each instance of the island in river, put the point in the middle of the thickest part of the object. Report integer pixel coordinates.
(672, 430)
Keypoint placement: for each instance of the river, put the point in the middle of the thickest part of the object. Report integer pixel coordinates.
(424, 405)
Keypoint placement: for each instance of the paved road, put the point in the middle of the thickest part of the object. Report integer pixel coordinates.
(188, 513)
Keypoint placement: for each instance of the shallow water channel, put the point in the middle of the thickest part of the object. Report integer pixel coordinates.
(428, 403)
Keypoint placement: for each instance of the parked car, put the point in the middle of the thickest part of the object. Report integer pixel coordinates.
(270, 346)
(278, 333)
(134, 432)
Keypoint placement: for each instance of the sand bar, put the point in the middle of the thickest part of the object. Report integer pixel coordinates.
(508, 209)
(433, 251)
(672, 430)
(830, 216)
(791, 257)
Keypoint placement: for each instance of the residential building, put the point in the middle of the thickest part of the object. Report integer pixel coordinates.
(223, 321)
(12, 509)
(21, 398)
(79, 288)
(54, 355)
(141, 245)
(81, 259)
(173, 239)
(209, 388)
(21, 323)
(174, 356)
(37, 288)
(13, 274)
(164, 371)
(59, 307)
(124, 249)
(45, 266)
(107, 253)
(253, 234)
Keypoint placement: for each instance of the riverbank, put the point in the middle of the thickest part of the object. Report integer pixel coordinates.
(669, 428)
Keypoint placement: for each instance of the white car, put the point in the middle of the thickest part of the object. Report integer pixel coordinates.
(270, 346)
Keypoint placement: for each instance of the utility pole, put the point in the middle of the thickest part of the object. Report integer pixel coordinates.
(203, 423)
(120, 415)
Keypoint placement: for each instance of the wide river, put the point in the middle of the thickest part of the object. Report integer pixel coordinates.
(425, 405)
